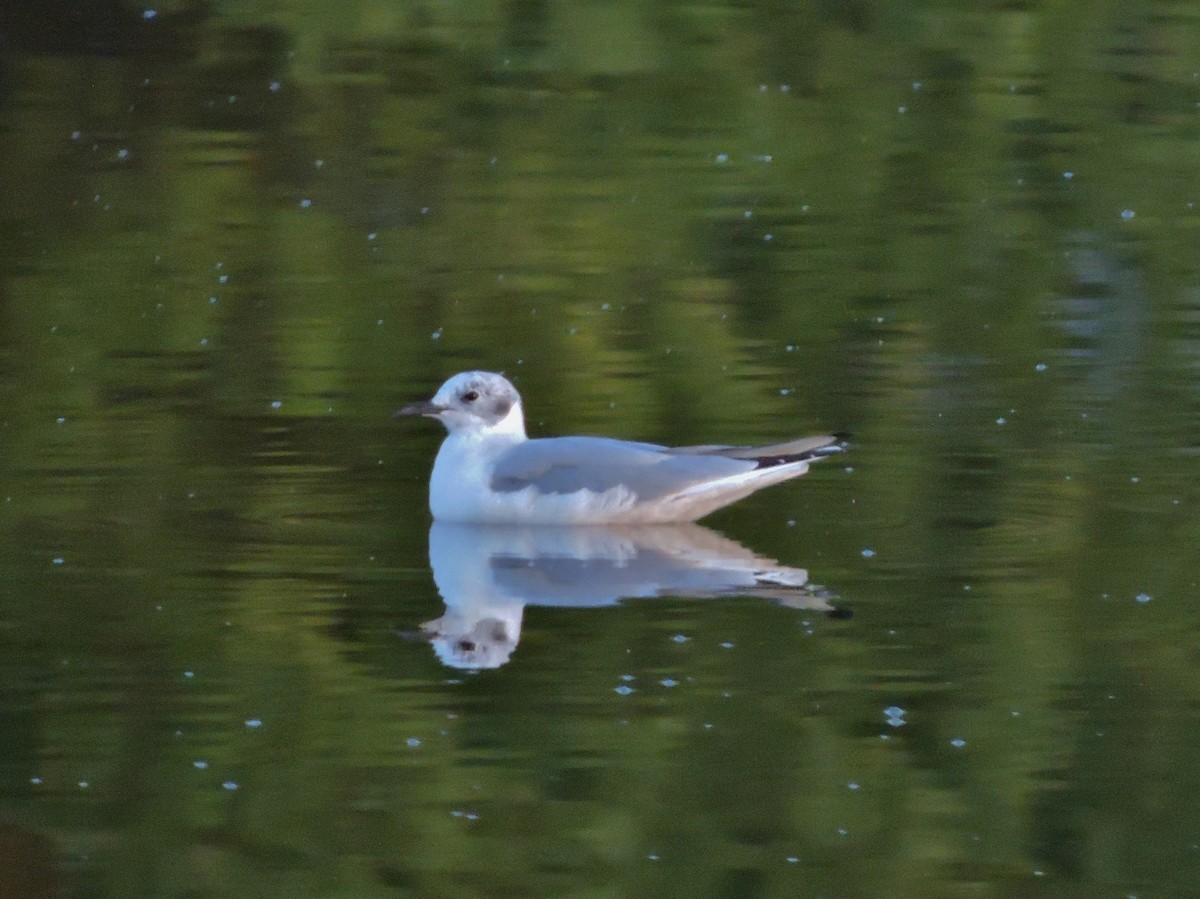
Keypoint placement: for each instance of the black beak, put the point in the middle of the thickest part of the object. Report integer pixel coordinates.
(425, 408)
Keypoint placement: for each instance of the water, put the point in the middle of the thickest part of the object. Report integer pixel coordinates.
(234, 244)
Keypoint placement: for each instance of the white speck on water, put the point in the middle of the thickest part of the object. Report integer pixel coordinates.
(412, 742)
(1041, 366)
(916, 85)
(785, 88)
(783, 391)
(852, 786)
(83, 785)
(253, 722)
(318, 163)
(680, 638)
(57, 560)
(722, 158)
(958, 742)
(1068, 175)
(1001, 421)
(35, 781)
(372, 235)
(902, 110)
(305, 203)
(868, 553)
(274, 86)
(203, 341)
(727, 645)
(1143, 598)
(61, 419)
(792, 860)
(1127, 214)
(767, 238)
(149, 15)
(436, 335)
(747, 214)
(628, 677)
(895, 716)
(424, 210)
(277, 404)
(189, 674)
(653, 856)
(1135, 479)
(669, 682)
(212, 301)
(230, 785)
(222, 279)
(76, 135)
(623, 690)
(200, 764)
(122, 154)
(791, 522)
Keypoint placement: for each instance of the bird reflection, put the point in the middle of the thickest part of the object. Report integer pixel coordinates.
(487, 574)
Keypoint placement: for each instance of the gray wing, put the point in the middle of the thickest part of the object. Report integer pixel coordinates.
(568, 464)
(774, 453)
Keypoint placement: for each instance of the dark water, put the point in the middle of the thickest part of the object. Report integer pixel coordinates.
(233, 241)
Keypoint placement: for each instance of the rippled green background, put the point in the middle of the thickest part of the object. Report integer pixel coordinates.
(235, 236)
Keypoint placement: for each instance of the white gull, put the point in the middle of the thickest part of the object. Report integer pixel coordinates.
(489, 472)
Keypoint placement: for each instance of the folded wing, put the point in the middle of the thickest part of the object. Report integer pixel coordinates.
(599, 464)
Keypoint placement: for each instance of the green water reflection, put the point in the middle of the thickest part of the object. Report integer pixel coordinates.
(235, 236)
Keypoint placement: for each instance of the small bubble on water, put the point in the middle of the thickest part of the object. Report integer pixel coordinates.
(958, 742)
(680, 638)
(868, 553)
(230, 785)
(623, 690)
(277, 404)
(1127, 214)
(1143, 598)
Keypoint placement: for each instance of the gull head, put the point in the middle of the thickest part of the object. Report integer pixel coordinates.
(475, 402)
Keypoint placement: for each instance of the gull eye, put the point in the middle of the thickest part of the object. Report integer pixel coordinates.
(470, 396)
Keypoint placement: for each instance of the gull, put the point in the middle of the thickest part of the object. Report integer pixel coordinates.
(489, 472)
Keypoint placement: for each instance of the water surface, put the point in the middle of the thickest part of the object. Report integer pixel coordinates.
(235, 239)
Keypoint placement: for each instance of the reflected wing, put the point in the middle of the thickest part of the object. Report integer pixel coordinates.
(599, 464)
